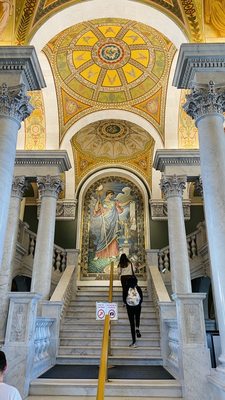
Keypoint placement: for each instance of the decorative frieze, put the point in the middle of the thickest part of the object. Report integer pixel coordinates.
(176, 158)
(204, 100)
(173, 185)
(65, 209)
(14, 103)
(159, 209)
(49, 186)
(18, 186)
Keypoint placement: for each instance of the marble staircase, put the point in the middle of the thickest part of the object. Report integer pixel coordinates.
(80, 344)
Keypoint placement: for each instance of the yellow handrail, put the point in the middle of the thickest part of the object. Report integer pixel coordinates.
(106, 345)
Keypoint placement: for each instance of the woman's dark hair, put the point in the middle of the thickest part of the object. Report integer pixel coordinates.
(109, 192)
(123, 263)
(3, 362)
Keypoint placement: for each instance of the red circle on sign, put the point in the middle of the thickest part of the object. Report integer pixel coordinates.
(101, 313)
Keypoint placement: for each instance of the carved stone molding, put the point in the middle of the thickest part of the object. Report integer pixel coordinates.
(159, 210)
(199, 61)
(205, 100)
(177, 157)
(49, 186)
(14, 103)
(35, 162)
(65, 209)
(173, 185)
(23, 61)
(18, 186)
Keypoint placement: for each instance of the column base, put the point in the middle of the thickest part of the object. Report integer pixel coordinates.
(217, 381)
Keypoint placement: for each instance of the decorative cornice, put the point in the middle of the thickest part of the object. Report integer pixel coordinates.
(176, 157)
(195, 58)
(173, 186)
(22, 59)
(18, 186)
(159, 210)
(41, 158)
(14, 103)
(202, 101)
(49, 186)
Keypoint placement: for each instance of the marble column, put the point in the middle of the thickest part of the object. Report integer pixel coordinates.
(49, 188)
(18, 187)
(172, 187)
(206, 104)
(14, 108)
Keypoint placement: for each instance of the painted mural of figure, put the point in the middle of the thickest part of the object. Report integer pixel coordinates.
(107, 212)
(5, 12)
(215, 15)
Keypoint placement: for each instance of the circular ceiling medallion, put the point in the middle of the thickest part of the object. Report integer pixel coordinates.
(113, 131)
(111, 54)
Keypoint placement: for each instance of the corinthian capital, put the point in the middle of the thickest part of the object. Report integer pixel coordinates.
(49, 186)
(173, 185)
(18, 186)
(205, 100)
(14, 103)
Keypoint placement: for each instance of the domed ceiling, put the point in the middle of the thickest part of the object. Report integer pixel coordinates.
(110, 64)
(113, 142)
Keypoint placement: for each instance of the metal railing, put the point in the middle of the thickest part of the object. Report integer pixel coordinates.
(106, 345)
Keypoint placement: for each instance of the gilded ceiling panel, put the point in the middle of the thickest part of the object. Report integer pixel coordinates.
(110, 64)
(187, 131)
(112, 142)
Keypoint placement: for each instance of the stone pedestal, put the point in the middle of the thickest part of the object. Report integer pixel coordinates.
(19, 341)
(194, 357)
(6, 272)
(49, 188)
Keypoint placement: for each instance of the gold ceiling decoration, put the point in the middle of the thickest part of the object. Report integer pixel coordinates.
(187, 131)
(110, 64)
(112, 142)
(31, 14)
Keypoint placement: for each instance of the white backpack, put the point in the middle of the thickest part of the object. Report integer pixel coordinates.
(133, 297)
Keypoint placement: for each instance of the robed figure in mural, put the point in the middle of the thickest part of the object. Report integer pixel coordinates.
(106, 213)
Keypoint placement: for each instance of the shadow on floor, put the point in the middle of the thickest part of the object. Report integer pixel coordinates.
(116, 372)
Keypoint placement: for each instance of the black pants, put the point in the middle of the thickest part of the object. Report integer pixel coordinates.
(134, 313)
(124, 279)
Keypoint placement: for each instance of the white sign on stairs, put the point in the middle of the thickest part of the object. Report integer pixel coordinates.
(102, 309)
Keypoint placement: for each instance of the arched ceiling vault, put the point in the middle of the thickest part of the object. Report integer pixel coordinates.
(32, 14)
(113, 143)
(110, 63)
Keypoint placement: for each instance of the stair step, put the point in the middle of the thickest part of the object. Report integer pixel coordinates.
(115, 333)
(131, 388)
(119, 350)
(82, 341)
(113, 360)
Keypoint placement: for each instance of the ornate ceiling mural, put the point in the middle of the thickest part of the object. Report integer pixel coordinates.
(112, 142)
(35, 126)
(110, 64)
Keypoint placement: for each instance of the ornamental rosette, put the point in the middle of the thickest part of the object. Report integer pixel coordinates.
(49, 186)
(173, 186)
(14, 103)
(204, 100)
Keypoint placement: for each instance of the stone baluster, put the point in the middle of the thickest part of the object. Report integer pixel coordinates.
(206, 104)
(6, 271)
(172, 187)
(49, 188)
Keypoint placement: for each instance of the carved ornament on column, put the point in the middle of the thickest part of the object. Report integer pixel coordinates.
(18, 186)
(14, 103)
(49, 186)
(173, 185)
(204, 100)
(198, 186)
